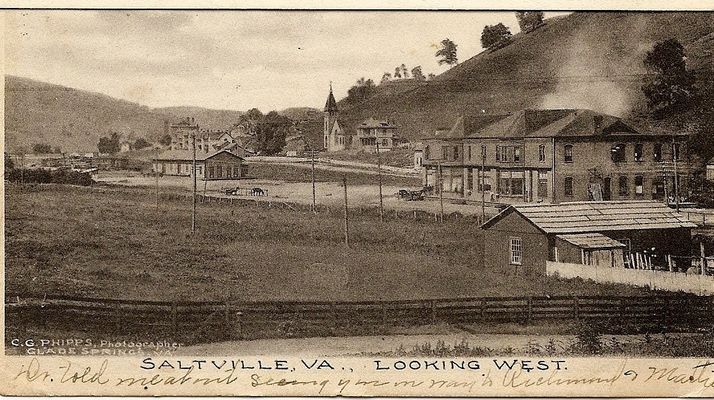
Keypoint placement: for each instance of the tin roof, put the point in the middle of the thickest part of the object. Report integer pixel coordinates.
(540, 123)
(591, 241)
(184, 155)
(597, 216)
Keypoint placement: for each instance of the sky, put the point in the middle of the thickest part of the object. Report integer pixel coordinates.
(232, 60)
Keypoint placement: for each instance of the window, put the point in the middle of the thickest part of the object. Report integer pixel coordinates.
(456, 152)
(219, 171)
(568, 153)
(568, 190)
(516, 251)
(618, 152)
(511, 183)
(200, 170)
(508, 153)
(236, 171)
(426, 152)
(498, 153)
(486, 186)
(516, 154)
(541, 153)
(385, 142)
(624, 189)
(657, 152)
(639, 185)
(469, 152)
(639, 152)
(444, 153)
(210, 172)
(483, 152)
(229, 171)
(675, 151)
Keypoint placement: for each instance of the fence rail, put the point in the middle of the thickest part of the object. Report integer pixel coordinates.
(656, 280)
(199, 321)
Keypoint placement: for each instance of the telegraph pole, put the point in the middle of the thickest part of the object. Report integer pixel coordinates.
(379, 176)
(483, 185)
(347, 224)
(314, 197)
(156, 175)
(675, 156)
(193, 214)
(441, 194)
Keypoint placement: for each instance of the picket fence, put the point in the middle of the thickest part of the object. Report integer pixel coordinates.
(656, 280)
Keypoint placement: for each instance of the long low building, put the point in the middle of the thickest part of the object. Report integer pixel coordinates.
(609, 233)
(221, 164)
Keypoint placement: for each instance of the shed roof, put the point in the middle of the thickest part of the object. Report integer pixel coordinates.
(597, 216)
(591, 241)
(540, 123)
(183, 155)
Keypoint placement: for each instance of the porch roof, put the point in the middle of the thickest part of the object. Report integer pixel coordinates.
(591, 241)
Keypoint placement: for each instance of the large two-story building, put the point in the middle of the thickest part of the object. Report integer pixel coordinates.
(553, 156)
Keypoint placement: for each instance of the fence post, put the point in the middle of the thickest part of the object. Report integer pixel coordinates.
(238, 325)
(174, 319)
(433, 311)
(227, 318)
(482, 312)
(576, 308)
(117, 313)
(529, 314)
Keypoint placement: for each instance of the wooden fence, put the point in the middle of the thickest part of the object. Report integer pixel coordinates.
(656, 280)
(202, 321)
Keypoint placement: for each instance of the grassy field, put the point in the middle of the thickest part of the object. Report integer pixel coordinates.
(396, 157)
(295, 173)
(113, 243)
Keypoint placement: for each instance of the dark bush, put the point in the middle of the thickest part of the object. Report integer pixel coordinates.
(61, 176)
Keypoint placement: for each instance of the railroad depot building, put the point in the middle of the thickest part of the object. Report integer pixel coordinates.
(618, 234)
(553, 156)
(216, 165)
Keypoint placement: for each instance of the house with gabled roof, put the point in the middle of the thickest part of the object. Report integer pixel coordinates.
(554, 156)
(215, 165)
(624, 234)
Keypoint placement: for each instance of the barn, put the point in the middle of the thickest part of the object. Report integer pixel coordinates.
(629, 234)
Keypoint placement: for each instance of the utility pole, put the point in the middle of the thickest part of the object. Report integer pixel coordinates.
(156, 175)
(483, 184)
(193, 214)
(441, 194)
(347, 224)
(379, 177)
(314, 197)
(675, 156)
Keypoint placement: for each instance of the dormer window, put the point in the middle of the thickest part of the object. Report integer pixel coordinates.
(617, 152)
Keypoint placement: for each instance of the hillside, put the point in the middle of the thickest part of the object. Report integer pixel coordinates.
(585, 60)
(74, 120)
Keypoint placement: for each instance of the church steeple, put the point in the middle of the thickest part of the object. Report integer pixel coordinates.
(330, 104)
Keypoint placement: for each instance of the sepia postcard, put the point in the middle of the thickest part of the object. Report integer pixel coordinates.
(395, 199)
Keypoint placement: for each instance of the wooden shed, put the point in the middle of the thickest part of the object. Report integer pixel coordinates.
(616, 232)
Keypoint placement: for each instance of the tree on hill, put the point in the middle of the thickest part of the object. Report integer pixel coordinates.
(405, 72)
(362, 90)
(165, 140)
(41, 148)
(528, 21)
(431, 76)
(447, 52)
(397, 72)
(671, 86)
(109, 145)
(418, 74)
(495, 36)
(386, 77)
(141, 143)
